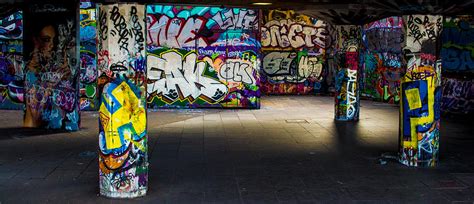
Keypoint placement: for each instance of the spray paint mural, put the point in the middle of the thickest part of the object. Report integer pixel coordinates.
(458, 66)
(11, 62)
(458, 96)
(88, 57)
(421, 92)
(202, 57)
(294, 48)
(51, 66)
(11, 26)
(123, 160)
(347, 84)
(382, 57)
(458, 44)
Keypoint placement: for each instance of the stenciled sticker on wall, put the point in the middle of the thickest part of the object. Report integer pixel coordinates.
(382, 54)
(294, 48)
(123, 160)
(421, 92)
(202, 57)
(51, 66)
(457, 54)
(11, 61)
(88, 57)
(347, 83)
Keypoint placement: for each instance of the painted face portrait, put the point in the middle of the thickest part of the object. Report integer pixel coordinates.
(44, 42)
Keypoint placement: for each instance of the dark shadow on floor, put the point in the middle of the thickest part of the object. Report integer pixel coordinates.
(22, 132)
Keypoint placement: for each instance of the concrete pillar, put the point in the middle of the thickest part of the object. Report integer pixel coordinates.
(123, 160)
(51, 66)
(347, 85)
(421, 92)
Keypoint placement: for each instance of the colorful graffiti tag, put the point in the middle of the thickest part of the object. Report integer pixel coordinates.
(382, 55)
(202, 57)
(458, 44)
(11, 26)
(421, 94)
(347, 85)
(458, 96)
(11, 62)
(294, 47)
(422, 33)
(457, 54)
(51, 66)
(123, 160)
(88, 59)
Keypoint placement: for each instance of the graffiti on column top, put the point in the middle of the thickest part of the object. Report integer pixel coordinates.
(348, 38)
(422, 32)
(121, 44)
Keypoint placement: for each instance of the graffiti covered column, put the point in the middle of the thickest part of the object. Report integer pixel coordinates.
(88, 89)
(51, 66)
(420, 92)
(347, 86)
(123, 160)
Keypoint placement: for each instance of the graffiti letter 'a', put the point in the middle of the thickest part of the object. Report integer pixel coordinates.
(174, 76)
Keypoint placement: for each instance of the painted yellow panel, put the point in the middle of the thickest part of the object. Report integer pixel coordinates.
(413, 98)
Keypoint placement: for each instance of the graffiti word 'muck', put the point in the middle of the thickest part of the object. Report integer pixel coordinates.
(174, 77)
(236, 70)
(286, 33)
(175, 32)
(351, 92)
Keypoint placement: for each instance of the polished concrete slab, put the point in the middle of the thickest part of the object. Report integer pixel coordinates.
(290, 151)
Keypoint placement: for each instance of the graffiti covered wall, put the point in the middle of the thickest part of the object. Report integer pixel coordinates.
(421, 92)
(382, 57)
(88, 57)
(51, 66)
(11, 62)
(293, 46)
(347, 84)
(123, 160)
(458, 65)
(202, 57)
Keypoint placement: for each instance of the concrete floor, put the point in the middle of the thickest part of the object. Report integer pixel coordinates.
(244, 156)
